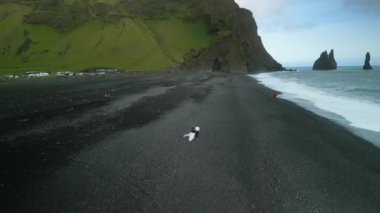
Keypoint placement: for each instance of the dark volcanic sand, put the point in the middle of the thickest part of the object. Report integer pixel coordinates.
(63, 148)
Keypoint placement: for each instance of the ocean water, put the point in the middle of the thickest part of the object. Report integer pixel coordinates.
(348, 96)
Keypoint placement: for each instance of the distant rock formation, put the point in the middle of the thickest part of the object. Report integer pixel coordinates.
(325, 61)
(367, 65)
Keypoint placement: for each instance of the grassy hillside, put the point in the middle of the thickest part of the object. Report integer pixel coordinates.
(75, 35)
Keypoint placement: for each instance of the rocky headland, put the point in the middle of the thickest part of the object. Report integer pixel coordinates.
(130, 35)
(241, 50)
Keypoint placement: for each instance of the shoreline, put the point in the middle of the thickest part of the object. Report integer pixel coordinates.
(318, 100)
(256, 153)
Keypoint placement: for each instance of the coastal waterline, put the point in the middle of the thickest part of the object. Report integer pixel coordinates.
(348, 96)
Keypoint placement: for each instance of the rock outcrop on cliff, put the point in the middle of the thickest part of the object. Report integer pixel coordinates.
(367, 65)
(325, 61)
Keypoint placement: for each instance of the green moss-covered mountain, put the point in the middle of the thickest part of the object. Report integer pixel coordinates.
(131, 35)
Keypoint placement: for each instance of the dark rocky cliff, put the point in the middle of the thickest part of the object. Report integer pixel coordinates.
(367, 65)
(325, 61)
(241, 50)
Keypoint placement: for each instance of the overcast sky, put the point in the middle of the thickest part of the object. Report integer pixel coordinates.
(295, 32)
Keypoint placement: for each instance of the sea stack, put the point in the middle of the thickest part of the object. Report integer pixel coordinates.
(367, 65)
(325, 61)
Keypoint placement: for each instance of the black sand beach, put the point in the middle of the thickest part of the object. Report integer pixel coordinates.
(64, 148)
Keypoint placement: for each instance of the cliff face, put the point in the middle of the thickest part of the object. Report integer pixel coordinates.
(136, 35)
(241, 50)
(325, 61)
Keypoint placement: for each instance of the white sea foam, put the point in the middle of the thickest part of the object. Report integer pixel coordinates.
(361, 114)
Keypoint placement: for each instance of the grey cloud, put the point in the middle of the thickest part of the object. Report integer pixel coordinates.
(363, 5)
(288, 27)
(282, 22)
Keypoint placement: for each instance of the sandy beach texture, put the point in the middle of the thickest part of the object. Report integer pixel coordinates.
(64, 148)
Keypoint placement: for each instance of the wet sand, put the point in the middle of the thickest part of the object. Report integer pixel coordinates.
(64, 148)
